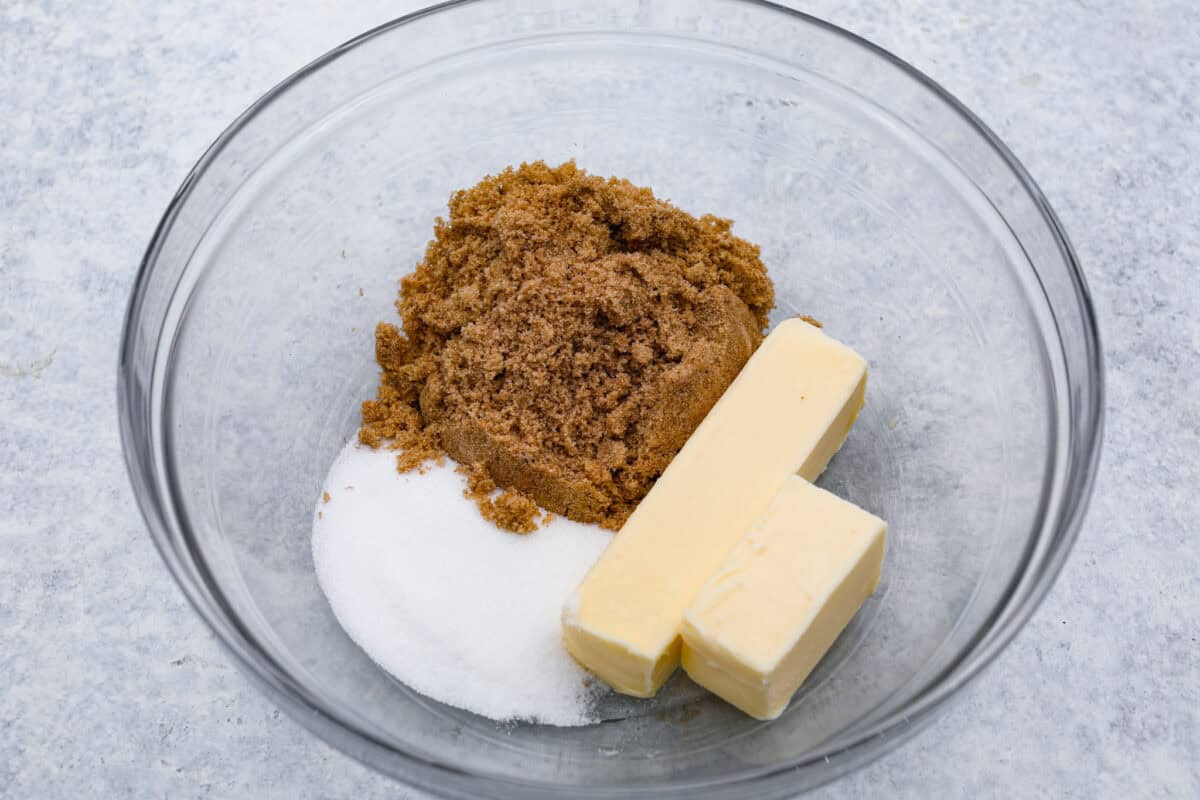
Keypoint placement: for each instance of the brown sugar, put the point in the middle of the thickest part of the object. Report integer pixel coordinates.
(563, 337)
(512, 511)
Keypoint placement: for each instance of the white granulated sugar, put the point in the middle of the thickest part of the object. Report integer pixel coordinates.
(446, 602)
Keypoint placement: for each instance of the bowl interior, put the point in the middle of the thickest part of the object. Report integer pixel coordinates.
(308, 217)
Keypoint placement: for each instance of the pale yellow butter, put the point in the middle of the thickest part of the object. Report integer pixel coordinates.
(785, 592)
(788, 412)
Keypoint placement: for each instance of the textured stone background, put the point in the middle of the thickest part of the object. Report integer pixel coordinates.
(109, 684)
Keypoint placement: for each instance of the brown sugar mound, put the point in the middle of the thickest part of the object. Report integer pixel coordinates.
(563, 337)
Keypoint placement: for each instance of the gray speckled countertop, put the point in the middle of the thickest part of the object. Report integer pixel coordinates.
(111, 686)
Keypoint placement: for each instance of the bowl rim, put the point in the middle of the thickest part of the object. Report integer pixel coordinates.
(865, 745)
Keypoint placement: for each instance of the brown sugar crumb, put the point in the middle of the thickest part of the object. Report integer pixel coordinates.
(564, 335)
(479, 482)
(509, 510)
(325, 497)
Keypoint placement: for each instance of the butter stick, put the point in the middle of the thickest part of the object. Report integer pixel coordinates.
(787, 412)
(784, 593)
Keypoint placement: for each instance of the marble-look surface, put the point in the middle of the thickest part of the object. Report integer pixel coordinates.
(111, 686)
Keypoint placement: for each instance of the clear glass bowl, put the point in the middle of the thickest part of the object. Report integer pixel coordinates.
(883, 207)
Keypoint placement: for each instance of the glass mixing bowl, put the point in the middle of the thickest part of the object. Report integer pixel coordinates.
(883, 207)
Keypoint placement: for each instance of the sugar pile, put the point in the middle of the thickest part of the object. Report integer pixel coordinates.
(458, 610)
